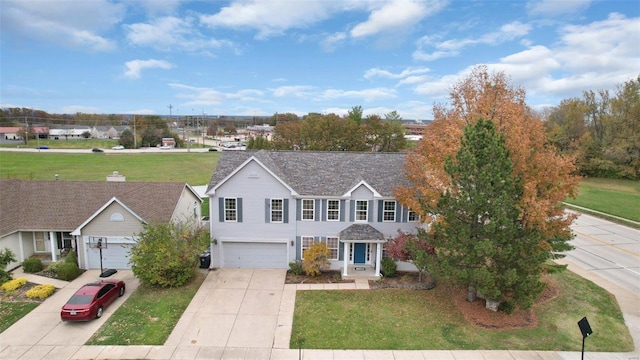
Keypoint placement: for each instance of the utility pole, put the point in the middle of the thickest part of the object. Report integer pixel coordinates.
(135, 138)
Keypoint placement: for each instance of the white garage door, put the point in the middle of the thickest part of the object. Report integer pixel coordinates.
(254, 255)
(116, 256)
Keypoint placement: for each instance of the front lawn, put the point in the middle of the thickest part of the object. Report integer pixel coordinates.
(10, 312)
(148, 316)
(393, 319)
(611, 196)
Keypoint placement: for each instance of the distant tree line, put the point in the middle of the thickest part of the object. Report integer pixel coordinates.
(600, 130)
(331, 132)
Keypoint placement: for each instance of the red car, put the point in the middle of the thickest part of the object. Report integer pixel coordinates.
(91, 299)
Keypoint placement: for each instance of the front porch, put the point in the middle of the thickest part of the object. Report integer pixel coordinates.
(359, 272)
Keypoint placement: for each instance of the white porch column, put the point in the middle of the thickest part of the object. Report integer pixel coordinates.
(378, 256)
(345, 261)
(52, 241)
(21, 257)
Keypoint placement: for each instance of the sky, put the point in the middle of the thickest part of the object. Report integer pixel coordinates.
(261, 57)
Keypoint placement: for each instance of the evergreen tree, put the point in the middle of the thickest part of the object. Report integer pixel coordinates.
(480, 238)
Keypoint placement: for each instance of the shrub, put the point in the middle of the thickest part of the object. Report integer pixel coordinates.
(71, 257)
(53, 267)
(67, 271)
(389, 267)
(32, 265)
(507, 307)
(167, 254)
(6, 257)
(316, 259)
(14, 284)
(42, 291)
(296, 268)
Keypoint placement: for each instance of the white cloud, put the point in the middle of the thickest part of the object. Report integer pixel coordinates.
(367, 95)
(271, 18)
(453, 47)
(330, 42)
(74, 109)
(295, 90)
(556, 8)
(135, 67)
(203, 96)
(75, 24)
(170, 32)
(410, 71)
(394, 15)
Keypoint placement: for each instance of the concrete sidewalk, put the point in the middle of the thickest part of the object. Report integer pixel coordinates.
(248, 314)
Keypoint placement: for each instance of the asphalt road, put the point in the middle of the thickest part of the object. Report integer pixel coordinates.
(609, 250)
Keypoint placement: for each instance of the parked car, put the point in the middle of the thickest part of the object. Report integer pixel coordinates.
(96, 150)
(119, 147)
(213, 149)
(91, 299)
(42, 147)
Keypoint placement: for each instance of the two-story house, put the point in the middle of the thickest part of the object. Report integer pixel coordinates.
(268, 207)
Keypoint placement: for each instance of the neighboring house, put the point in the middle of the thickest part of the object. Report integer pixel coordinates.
(268, 207)
(48, 218)
(105, 132)
(11, 132)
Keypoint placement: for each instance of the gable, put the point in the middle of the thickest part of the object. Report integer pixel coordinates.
(114, 219)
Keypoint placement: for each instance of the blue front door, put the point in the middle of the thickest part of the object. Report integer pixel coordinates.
(359, 253)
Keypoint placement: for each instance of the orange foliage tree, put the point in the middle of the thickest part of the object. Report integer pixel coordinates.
(547, 177)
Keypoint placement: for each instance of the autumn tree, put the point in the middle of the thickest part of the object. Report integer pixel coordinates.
(481, 239)
(546, 177)
(417, 249)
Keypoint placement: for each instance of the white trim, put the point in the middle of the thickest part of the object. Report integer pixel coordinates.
(78, 230)
(384, 210)
(281, 211)
(355, 211)
(224, 209)
(313, 210)
(302, 238)
(212, 190)
(327, 214)
(375, 193)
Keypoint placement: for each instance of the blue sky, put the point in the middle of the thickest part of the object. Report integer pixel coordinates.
(259, 57)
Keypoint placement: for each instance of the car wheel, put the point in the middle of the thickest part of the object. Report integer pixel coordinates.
(99, 313)
(121, 291)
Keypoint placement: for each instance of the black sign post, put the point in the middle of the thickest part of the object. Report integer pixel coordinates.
(585, 328)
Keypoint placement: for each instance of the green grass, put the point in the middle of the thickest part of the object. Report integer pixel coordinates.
(615, 197)
(10, 312)
(66, 144)
(192, 168)
(407, 319)
(148, 316)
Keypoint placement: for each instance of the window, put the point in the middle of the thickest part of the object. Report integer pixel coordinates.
(332, 244)
(307, 241)
(277, 210)
(389, 211)
(412, 216)
(308, 207)
(361, 210)
(230, 209)
(39, 241)
(333, 210)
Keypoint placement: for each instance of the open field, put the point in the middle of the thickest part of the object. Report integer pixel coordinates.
(611, 196)
(192, 168)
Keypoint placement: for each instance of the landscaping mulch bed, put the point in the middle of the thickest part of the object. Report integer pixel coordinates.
(479, 316)
(326, 277)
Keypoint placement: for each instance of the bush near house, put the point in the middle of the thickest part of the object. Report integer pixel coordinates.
(316, 259)
(71, 257)
(6, 257)
(67, 271)
(32, 265)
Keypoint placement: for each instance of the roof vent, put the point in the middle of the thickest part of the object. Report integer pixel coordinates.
(116, 177)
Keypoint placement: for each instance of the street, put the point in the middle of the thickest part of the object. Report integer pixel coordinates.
(609, 250)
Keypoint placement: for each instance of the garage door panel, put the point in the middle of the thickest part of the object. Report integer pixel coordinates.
(116, 256)
(254, 255)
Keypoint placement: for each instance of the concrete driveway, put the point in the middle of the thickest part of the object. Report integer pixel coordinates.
(248, 309)
(43, 326)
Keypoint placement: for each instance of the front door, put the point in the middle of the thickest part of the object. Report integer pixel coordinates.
(359, 253)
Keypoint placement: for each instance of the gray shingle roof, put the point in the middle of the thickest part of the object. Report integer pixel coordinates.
(314, 173)
(65, 205)
(361, 232)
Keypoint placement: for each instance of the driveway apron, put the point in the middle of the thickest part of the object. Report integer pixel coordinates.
(236, 308)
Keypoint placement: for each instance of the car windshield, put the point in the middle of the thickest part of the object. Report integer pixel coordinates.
(80, 299)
